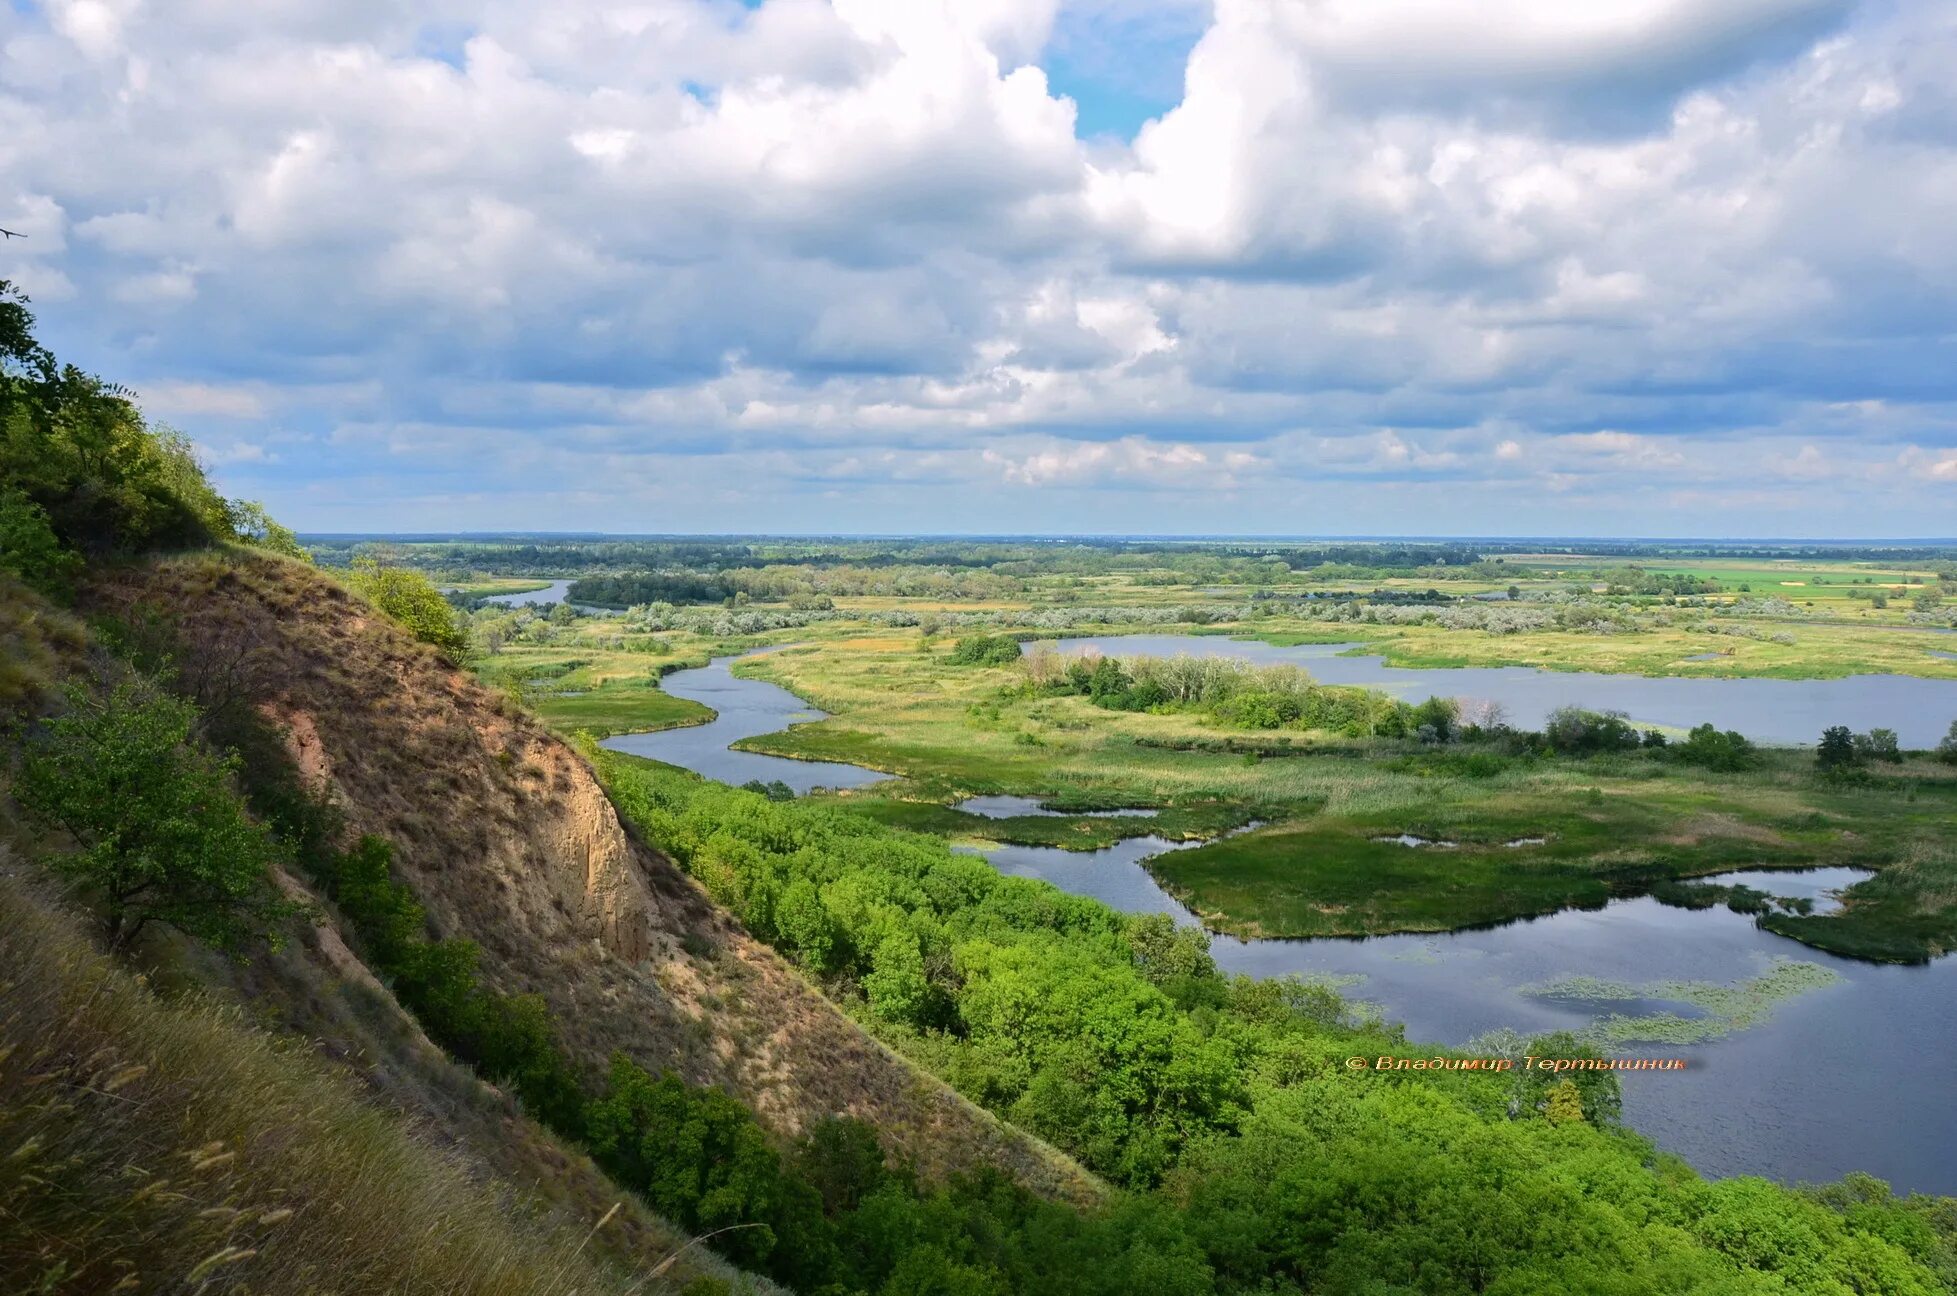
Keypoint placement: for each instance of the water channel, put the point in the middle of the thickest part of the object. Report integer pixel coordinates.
(1853, 1074)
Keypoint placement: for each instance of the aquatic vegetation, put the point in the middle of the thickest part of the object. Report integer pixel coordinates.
(1725, 1008)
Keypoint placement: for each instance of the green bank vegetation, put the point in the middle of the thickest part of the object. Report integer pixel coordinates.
(1232, 1099)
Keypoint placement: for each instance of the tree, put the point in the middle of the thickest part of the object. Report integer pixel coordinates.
(255, 526)
(1947, 747)
(1564, 1105)
(1836, 752)
(895, 983)
(162, 834)
(1708, 747)
(409, 598)
(1878, 745)
(697, 1155)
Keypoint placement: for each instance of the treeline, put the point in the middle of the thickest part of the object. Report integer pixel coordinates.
(803, 588)
(1257, 1159)
(638, 588)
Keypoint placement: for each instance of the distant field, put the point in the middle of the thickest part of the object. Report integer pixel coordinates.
(484, 586)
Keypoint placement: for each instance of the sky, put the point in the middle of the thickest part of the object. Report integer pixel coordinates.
(1297, 267)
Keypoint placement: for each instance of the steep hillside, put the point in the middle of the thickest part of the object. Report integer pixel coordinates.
(508, 840)
(153, 1139)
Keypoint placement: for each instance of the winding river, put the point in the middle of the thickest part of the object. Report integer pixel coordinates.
(1852, 1073)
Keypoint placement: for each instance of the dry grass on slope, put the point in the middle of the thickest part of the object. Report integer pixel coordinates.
(161, 1147)
(39, 645)
(507, 839)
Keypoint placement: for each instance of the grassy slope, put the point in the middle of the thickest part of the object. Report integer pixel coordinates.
(507, 839)
(364, 1074)
(160, 1144)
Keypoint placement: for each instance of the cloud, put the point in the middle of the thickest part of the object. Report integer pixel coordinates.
(197, 400)
(1128, 461)
(1548, 63)
(722, 258)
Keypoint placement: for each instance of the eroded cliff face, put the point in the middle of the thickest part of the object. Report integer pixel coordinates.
(508, 839)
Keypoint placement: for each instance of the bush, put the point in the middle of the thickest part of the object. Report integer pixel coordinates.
(1947, 746)
(1573, 731)
(409, 598)
(985, 650)
(1837, 753)
(30, 549)
(253, 525)
(1878, 745)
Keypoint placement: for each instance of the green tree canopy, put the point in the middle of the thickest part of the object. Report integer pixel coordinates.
(409, 598)
(162, 834)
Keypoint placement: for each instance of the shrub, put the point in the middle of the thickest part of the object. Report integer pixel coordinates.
(1573, 731)
(985, 650)
(253, 525)
(1836, 753)
(409, 598)
(30, 549)
(1878, 745)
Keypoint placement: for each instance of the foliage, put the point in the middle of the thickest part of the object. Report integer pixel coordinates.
(77, 447)
(1285, 1171)
(1708, 747)
(1878, 745)
(82, 473)
(985, 650)
(1837, 753)
(30, 549)
(1573, 731)
(253, 525)
(409, 598)
(1947, 745)
(634, 588)
(161, 834)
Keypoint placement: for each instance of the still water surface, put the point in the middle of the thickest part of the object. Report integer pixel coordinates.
(1852, 1076)
(1766, 710)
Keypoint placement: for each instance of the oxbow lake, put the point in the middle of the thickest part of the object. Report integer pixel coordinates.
(1765, 710)
(1853, 1075)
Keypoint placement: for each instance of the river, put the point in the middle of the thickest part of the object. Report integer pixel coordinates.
(558, 591)
(1852, 1075)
